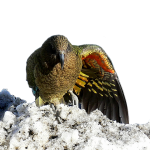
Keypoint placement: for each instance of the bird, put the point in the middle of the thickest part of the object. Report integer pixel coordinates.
(58, 72)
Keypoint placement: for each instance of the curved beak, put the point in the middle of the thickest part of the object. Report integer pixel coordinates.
(61, 57)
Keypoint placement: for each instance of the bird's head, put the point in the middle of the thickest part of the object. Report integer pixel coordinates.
(54, 49)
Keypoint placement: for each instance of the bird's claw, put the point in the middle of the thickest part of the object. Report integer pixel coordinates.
(53, 107)
(56, 112)
(74, 98)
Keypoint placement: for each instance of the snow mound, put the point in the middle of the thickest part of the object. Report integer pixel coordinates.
(33, 128)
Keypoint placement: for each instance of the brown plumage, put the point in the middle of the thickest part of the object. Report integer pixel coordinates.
(58, 67)
(44, 69)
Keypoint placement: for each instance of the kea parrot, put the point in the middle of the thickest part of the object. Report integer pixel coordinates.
(59, 71)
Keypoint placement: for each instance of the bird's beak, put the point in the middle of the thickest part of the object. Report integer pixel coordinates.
(61, 57)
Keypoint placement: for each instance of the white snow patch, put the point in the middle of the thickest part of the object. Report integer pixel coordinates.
(29, 127)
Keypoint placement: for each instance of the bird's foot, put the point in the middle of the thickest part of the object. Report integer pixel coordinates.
(39, 102)
(56, 111)
(74, 98)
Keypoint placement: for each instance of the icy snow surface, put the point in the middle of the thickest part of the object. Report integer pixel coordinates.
(28, 127)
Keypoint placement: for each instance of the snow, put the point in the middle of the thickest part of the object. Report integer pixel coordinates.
(25, 126)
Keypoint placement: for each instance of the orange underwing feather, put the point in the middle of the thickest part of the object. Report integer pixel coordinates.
(101, 60)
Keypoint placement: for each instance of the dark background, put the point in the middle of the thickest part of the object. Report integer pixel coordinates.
(129, 58)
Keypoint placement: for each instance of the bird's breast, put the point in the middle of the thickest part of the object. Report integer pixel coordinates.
(59, 81)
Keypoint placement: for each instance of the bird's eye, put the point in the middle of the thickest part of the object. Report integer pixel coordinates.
(50, 48)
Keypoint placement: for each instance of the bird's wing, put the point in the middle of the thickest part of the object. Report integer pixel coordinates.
(31, 63)
(98, 86)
